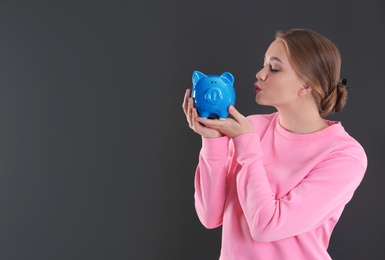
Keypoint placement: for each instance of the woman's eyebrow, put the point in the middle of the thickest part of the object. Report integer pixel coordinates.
(273, 58)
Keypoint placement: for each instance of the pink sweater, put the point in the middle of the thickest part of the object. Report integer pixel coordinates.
(277, 195)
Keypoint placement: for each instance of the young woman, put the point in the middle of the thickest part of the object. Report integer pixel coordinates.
(278, 183)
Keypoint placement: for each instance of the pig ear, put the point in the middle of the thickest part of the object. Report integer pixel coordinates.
(228, 76)
(196, 76)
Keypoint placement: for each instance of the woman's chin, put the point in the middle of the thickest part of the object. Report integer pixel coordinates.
(260, 101)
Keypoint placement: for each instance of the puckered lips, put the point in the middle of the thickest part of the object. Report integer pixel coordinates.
(257, 89)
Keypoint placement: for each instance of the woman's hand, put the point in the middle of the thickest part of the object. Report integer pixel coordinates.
(229, 127)
(192, 118)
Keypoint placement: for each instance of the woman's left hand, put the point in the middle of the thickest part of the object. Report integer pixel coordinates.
(229, 127)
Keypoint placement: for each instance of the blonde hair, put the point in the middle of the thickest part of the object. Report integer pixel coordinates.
(318, 62)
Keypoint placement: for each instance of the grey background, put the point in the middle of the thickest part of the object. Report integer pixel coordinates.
(96, 158)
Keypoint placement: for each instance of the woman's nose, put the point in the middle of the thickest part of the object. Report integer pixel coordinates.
(261, 75)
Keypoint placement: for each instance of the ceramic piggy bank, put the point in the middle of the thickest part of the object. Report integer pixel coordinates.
(213, 94)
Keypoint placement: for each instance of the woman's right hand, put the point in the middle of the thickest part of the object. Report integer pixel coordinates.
(192, 115)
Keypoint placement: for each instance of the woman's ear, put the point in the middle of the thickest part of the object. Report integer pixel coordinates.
(304, 91)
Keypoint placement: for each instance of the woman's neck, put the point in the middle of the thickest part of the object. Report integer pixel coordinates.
(303, 122)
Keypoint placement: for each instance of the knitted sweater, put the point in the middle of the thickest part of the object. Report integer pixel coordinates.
(277, 195)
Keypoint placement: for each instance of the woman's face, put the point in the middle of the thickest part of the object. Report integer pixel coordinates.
(277, 83)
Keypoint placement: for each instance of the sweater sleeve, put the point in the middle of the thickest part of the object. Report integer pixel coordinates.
(327, 188)
(210, 181)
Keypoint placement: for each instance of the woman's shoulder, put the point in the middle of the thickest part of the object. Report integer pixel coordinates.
(351, 146)
(336, 141)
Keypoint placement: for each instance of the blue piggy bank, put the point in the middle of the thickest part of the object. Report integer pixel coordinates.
(213, 94)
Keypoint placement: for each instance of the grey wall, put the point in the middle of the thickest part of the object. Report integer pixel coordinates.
(96, 158)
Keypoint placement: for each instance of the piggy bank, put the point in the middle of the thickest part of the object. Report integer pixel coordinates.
(213, 94)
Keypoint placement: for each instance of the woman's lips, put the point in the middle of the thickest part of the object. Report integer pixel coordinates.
(257, 89)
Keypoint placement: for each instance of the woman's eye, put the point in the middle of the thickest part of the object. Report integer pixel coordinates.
(273, 70)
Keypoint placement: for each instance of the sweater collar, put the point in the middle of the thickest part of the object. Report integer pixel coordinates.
(334, 126)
